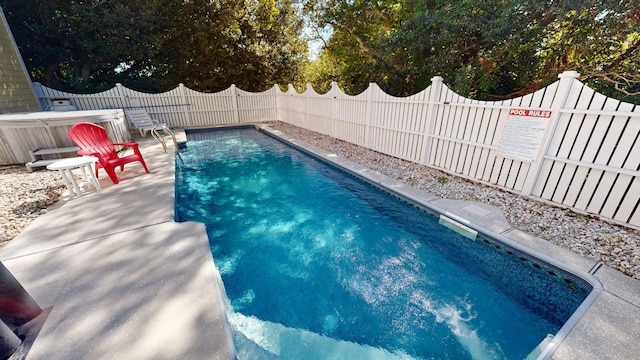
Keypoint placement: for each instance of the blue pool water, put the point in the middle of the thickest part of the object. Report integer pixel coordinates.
(318, 264)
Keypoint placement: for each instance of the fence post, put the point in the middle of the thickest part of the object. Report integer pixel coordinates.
(334, 105)
(307, 106)
(435, 94)
(367, 115)
(276, 106)
(185, 105)
(234, 104)
(567, 79)
(123, 96)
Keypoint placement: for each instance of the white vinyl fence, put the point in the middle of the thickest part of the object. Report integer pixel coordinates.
(564, 144)
(180, 107)
(579, 149)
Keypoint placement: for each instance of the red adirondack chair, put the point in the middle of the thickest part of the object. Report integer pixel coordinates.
(93, 141)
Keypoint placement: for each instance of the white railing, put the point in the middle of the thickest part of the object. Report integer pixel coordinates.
(586, 155)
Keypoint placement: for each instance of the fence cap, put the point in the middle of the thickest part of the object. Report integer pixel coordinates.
(569, 74)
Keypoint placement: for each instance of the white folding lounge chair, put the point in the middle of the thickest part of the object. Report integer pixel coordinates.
(143, 122)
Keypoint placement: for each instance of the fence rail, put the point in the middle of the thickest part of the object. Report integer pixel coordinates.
(585, 154)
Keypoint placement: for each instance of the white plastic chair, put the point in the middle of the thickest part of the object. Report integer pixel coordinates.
(143, 122)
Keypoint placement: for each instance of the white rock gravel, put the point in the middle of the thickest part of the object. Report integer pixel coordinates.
(24, 196)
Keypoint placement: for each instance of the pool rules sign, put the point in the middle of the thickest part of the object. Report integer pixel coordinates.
(523, 134)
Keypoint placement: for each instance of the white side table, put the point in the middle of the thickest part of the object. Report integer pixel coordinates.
(66, 166)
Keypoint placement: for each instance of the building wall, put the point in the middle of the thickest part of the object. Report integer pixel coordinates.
(16, 93)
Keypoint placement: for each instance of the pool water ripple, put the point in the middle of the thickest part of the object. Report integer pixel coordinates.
(308, 252)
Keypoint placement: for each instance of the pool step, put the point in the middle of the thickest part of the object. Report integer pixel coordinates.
(248, 349)
(539, 350)
(289, 343)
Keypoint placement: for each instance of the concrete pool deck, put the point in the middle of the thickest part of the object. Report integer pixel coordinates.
(119, 279)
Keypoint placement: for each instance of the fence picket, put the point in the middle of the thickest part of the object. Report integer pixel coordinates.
(629, 204)
(609, 141)
(620, 152)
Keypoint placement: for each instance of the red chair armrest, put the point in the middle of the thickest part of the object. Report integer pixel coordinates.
(126, 144)
(132, 145)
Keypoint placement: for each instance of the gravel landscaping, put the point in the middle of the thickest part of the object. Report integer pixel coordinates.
(24, 196)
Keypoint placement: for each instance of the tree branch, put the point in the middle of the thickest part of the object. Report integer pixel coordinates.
(618, 80)
(319, 37)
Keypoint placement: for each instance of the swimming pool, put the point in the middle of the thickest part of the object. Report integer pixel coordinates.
(320, 264)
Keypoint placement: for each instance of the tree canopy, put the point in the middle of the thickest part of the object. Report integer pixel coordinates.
(153, 45)
(485, 49)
